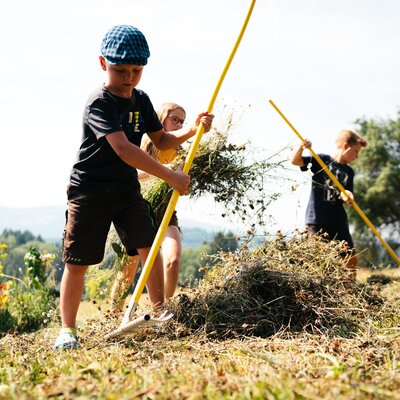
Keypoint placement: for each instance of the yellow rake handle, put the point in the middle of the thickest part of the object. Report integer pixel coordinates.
(188, 163)
(340, 187)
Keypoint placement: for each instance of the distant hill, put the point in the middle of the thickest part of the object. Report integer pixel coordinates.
(194, 237)
(48, 222)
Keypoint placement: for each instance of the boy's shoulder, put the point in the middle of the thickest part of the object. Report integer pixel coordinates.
(325, 157)
(102, 94)
(140, 93)
(98, 93)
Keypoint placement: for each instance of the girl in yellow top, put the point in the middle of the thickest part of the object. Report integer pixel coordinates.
(172, 116)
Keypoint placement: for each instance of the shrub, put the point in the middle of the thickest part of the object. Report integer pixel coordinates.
(28, 304)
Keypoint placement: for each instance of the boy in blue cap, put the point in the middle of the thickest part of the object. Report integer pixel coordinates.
(104, 186)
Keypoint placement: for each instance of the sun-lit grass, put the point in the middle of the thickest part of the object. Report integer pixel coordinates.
(152, 366)
(179, 362)
(364, 273)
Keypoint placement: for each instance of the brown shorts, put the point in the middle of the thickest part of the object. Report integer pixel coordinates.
(89, 217)
(333, 234)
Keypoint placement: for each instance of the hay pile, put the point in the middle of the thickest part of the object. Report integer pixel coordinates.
(285, 285)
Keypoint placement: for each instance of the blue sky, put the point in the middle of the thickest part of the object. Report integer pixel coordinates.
(324, 64)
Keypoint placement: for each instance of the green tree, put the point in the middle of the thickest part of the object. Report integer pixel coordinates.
(19, 244)
(377, 187)
(195, 260)
(19, 237)
(192, 262)
(225, 242)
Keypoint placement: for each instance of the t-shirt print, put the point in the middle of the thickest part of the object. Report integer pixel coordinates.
(331, 193)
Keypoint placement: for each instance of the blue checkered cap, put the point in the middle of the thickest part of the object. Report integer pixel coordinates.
(125, 44)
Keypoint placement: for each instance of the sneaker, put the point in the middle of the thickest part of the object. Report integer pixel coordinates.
(66, 340)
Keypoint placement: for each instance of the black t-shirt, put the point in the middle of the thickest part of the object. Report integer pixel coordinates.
(98, 168)
(324, 206)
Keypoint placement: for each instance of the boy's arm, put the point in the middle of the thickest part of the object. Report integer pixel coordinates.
(297, 155)
(142, 174)
(137, 158)
(169, 140)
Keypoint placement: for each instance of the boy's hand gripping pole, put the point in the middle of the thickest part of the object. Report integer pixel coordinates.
(340, 187)
(175, 195)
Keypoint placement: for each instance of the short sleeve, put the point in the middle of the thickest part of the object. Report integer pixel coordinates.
(103, 118)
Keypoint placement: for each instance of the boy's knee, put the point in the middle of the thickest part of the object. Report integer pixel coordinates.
(75, 269)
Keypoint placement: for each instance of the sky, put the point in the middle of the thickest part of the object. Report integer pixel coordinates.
(323, 63)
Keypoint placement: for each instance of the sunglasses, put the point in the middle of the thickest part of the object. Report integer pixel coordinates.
(176, 120)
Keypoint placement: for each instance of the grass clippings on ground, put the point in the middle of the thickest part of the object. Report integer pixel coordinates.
(278, 322)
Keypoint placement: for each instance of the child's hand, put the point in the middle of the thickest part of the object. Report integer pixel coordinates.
(348, 198)
(180, 181)
(306, 144)
(205, 119)
(297, 155)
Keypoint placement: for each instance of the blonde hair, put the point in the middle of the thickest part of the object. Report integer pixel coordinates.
(165, 108)
(350, 137)
(147, 145)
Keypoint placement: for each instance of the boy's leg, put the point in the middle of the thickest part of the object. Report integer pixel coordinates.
(349, 253)
(352, 264)
(171, 253)
(88, 221)
(71, 293)
(70, 298)
(155, 281)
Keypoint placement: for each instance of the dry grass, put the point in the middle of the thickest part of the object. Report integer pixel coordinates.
(278, 322)
(363, 274)
(285, 285)
(226, 172)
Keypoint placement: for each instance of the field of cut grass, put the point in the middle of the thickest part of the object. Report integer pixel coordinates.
(220, 345)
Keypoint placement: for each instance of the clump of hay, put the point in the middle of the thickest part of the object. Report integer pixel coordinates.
(298, 284)
(380, 278)
(158, 193)
(225, 171)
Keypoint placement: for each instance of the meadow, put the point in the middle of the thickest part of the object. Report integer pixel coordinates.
(278, 322)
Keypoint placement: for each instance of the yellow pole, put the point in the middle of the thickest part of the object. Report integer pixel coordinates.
(340, 187)
(175, 194)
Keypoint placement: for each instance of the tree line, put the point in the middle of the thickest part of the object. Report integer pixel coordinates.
(377, 189)
(19, 244)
